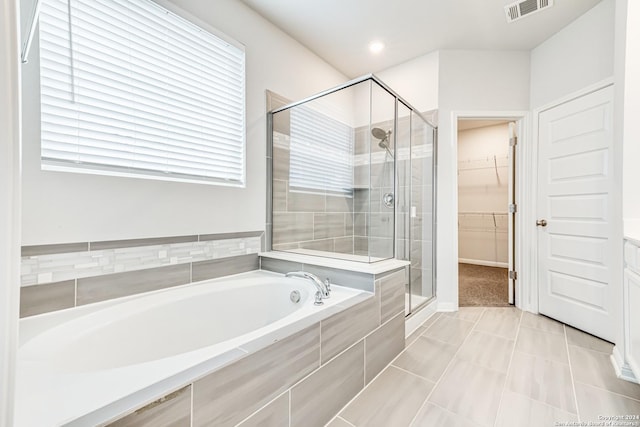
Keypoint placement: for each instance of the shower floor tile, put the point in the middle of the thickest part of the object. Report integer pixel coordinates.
(483, 373)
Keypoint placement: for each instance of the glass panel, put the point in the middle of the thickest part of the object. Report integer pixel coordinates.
(421, 212)
(322, 176)
(403, 191)
(353, 179)
(382, 183)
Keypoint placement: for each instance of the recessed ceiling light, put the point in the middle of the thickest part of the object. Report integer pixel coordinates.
(376, 47)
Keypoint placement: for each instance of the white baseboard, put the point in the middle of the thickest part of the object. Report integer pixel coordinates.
(416, 319)
(483, 262)
(623, 370)
(447, 306)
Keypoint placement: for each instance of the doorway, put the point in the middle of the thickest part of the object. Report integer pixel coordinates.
(486, 211)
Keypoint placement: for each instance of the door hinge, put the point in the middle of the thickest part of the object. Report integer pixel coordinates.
(513, 275)
(513, 208)
(513, 141)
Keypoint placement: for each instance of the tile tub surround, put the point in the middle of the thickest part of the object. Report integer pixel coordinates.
(327, 364)
(480, 373)
(61, 276)
(67, 371)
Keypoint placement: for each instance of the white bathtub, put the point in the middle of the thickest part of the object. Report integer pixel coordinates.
(86, 365)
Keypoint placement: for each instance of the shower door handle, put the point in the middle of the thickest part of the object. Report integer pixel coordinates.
(541, 223)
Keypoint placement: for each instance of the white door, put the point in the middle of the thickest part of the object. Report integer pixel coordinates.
(575, 222)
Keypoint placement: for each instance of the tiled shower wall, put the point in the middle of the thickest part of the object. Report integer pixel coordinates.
(352, 224)
(56, 277)
(373, 177)
(315, 221)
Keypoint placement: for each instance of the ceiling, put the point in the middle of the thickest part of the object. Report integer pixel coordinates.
(339, 31)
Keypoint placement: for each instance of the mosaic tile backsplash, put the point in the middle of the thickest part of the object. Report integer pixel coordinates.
(61, 276)
(41, 269)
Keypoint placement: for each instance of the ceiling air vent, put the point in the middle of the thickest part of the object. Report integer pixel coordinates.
(523, 8)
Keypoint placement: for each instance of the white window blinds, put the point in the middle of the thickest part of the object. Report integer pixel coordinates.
(321, 153)
(129, 88)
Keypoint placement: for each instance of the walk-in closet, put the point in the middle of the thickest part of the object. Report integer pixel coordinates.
(484, 188)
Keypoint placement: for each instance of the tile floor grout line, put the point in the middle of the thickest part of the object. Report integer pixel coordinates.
(398, 355)
(373, 379)
(509, 365)
(411, 373)
(492, 335)
(533, 328)
(436, 339)
(573, 381)
(453, 413)
(446, 369)
(351, 424)
(590, 349)
(472, 363)
(609, 391)
(543, 403)
(496, 335)
(362, 390)
(426, 328)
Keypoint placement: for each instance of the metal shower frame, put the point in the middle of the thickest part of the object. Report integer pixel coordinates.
(399, 99)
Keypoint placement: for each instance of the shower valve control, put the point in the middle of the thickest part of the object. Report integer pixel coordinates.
(387, 199)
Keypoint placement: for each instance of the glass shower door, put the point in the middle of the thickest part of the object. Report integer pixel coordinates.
(421, 213)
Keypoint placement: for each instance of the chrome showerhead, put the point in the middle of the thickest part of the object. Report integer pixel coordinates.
(383, 137)
(380, 134)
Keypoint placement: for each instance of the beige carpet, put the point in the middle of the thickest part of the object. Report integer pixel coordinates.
(482, 286)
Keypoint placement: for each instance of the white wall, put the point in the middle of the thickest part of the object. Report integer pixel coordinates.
(628, 78)
(487, 184)
(483, 195)
(477, 81)
(458, 80)
(66, 207)
(576, 57)
(415, 80)
(581, 55)
(9, 204)
(627, 135)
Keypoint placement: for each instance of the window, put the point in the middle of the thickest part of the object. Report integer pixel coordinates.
(321, 153)
(130, 89)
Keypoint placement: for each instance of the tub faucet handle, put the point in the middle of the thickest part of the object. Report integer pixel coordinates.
(318, 300)
(327, 285)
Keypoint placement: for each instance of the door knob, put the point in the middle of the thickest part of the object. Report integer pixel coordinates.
(541, 223)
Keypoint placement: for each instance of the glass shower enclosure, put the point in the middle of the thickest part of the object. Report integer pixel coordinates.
(351, 177)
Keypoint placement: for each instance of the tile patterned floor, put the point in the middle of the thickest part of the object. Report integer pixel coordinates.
(494, 367)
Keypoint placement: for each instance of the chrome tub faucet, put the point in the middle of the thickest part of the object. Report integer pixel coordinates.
(323, 288)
